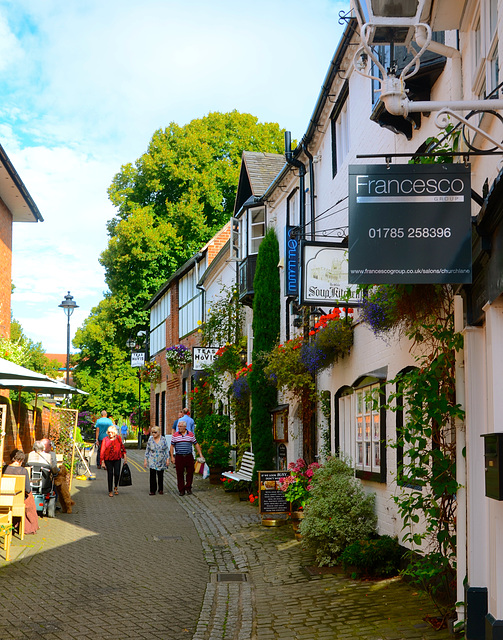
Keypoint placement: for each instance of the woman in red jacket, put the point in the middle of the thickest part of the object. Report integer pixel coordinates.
(111, 453)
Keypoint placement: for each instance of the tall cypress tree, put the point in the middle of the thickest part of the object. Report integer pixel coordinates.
(266, 327)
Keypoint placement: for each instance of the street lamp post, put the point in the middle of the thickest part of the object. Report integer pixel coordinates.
(68, 305)
(131, 344)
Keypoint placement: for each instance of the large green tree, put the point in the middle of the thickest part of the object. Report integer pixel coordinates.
(174, 199)
(104, 369)
(21, 350)
(266, 328)
(170, 202)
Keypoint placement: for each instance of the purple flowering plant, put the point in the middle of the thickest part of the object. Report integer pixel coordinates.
(378, 309)
(241, 388)
(177, 356)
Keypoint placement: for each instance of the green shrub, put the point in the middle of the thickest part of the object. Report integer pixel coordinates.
(338, 513)
(373, 558)
(213, 435)
(213, 427)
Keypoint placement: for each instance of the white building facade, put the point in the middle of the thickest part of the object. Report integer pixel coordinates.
(351, 126)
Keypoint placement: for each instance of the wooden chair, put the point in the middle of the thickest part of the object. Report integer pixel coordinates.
(245, 471)
(6, 532)
(12, 499)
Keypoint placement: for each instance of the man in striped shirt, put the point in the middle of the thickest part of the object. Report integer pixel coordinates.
(181, 444)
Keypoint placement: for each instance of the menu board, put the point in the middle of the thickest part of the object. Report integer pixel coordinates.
(271, 498)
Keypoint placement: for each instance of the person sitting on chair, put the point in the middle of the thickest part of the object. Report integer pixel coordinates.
(41, 456)
(15, 468)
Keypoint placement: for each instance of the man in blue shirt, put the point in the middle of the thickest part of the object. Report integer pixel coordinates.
(101, 425)
(189, 422)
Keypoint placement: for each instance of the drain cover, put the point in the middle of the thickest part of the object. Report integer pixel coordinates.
(232, 577)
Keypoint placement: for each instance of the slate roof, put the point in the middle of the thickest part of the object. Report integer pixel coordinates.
(262, 168)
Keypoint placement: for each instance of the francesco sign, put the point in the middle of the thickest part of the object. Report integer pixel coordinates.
(409, 224)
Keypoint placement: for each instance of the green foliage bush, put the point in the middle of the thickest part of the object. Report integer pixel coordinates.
(213, 436)
(338, 513)
(378, 557)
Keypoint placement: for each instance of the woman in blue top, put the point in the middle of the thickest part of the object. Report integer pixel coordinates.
(157, 459)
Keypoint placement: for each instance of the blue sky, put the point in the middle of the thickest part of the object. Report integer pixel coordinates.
(86, 83)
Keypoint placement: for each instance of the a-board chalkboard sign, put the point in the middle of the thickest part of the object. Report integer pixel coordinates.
(271, 498)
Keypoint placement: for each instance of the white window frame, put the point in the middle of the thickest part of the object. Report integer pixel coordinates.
(340, 128)
(189, 305)
(485, 59)
(367, 427)
(293, 208)
(256, 229)
(342, 132)
(159, 313)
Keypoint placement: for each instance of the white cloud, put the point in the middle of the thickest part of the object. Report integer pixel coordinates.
(85, 85)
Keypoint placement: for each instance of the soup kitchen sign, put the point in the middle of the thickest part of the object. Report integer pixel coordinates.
(410, 224)
(324, 280)
(203, 357)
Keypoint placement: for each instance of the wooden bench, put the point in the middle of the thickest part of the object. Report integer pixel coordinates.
(12, 499)
(245, 471)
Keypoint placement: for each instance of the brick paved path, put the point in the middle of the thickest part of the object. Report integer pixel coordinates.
(110, 570)
(116, 566)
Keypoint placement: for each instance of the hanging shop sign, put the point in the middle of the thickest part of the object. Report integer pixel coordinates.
(324, 275)
(292, 251)
(137, 358)
(203, 357)
(409, 224)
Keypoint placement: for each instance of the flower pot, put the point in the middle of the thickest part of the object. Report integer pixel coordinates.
(297, 517)
(215, 474)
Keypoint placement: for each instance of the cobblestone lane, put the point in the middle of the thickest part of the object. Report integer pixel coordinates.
(196, 567)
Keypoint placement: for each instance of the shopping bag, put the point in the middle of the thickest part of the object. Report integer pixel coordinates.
(206, 471)
(198, 468)
(125, 479)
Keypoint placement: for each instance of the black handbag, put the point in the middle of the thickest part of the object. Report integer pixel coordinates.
(125, 479)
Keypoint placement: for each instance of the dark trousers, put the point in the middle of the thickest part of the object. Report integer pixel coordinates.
(184, 464)
(98, 463)
(113, 471)
(156, 480)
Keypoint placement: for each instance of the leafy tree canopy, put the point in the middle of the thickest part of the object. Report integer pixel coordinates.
(170, 202)
(23, 351)
(104, 369)
(188, 176)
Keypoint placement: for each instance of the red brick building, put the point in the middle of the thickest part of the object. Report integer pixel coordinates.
(175, 313)
(16, 205)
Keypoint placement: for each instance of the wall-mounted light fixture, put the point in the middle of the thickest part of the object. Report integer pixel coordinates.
(398, 22)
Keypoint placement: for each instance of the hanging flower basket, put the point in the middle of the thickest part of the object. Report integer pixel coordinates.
(177, 357)
(151, 372)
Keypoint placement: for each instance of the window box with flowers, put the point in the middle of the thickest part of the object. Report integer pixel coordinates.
(177, 357)
(294, 365)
